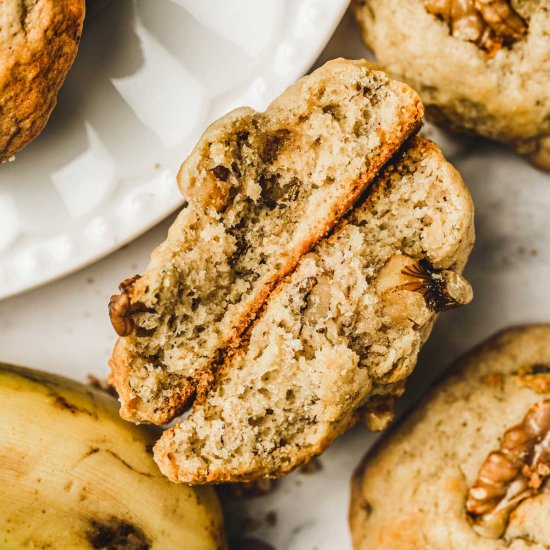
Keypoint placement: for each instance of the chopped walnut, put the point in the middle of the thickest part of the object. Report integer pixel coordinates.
(378, 412)
(317, 314)
(490, 24)
(441, 289)
(317, 291)
(493, 379)
(212, 190)
(536, 377)
(121, 309)
(518, 470)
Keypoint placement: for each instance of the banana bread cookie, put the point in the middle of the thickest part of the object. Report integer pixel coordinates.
(338, 336)
(262, 188)
(480, 66)
(38, 43)
(470, 467)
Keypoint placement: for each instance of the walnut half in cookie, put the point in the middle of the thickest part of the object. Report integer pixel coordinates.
(518, 470)
(490, 24)
(338, 336)
(480, 66)
(38, 43)
(470, 468)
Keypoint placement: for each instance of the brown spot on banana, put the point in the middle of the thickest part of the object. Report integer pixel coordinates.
(95, 450)
(61, 402)
(116, 533)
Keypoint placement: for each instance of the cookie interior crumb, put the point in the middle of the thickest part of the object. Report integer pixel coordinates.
(341, 330)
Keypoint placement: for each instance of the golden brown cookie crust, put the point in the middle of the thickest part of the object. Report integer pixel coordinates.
(38, 43)
(411, 490)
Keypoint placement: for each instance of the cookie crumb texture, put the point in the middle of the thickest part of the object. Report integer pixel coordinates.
(480, 66)
(344, 329)
(469, 468)
(262, 188)
(38, 43)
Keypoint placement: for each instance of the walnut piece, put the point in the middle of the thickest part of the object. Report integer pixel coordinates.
(518, 470)
(212, 190)
(536, 377)
(490, 24)
(378, 413)
(441, 289)
(121, 309)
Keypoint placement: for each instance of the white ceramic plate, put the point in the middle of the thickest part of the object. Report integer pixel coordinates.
(149, 77)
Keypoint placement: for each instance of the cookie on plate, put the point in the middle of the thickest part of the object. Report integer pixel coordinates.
(480, 66)
(338, 336)
(262, 189)
(38, 43)
(470, 467)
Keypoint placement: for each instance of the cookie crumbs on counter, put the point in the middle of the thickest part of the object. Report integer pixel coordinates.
(311, 467)
(493, 379)
(260, 487)
(271, 518)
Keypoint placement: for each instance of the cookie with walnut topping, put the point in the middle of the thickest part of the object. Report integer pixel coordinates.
(480, 66)
(38, 43)
(470, 468)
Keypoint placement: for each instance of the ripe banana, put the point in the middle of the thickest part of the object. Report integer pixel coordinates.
(74, 475)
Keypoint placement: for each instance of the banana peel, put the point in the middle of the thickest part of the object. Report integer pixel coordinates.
(74, 475)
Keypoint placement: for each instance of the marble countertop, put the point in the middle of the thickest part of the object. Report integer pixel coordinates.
(64, 327)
